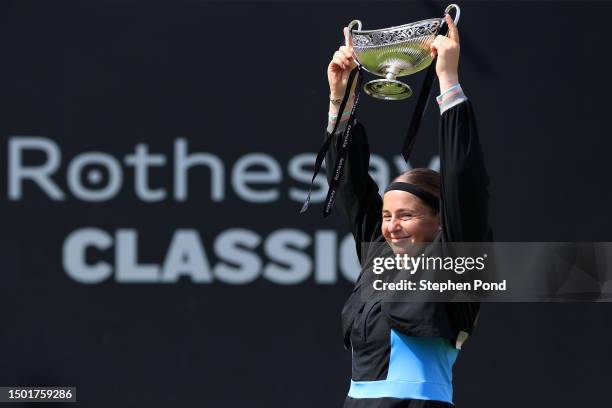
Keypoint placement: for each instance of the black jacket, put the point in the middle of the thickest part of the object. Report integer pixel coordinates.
(464, 209)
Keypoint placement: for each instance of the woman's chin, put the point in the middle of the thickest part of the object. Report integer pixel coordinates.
(400, 246)
(406, 246)
(400, 241)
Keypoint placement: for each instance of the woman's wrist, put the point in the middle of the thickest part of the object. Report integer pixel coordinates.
(334, 108)
(336, 95)
(334, 115)
(342, 119)
(451, 97)
(448, 81)
(334, 105)
(335, 99)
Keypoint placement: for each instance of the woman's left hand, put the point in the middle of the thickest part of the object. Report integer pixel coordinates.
(447, 50)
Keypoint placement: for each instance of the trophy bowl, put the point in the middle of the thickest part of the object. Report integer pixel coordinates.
(395, 52)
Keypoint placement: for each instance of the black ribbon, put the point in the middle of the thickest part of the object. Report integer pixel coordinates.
(343, 148)
(419, 112)
(421, 106)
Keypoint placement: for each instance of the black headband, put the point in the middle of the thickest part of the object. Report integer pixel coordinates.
(429, 198)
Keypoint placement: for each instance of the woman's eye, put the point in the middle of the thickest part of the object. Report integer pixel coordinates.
(406, 216)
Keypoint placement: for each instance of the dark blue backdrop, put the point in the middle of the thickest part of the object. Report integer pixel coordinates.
(239, 81)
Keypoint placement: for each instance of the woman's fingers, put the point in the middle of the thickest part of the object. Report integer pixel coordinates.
(342, 62)
(339, 54)
(348, 39)
(436, 45)
(442, 41)
(345, 60)
(453, 33)
(441, 44)
(346, 51)
(349, 54)
(447, 51)
(337, 64)
(344, 56)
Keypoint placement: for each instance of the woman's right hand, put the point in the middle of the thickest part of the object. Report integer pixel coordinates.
(340, 67)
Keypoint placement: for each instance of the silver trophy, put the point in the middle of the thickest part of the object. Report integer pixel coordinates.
(395, 52)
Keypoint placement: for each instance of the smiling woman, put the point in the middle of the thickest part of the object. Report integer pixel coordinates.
(410, 209)
(403, 352)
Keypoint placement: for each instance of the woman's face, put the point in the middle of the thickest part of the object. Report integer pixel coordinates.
(406, 220)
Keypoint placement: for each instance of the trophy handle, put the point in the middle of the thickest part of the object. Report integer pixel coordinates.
(457, 12)
(350, 27)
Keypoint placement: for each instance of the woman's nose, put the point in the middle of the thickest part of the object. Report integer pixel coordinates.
(394, 225)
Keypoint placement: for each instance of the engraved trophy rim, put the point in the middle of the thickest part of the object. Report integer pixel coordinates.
(404, 26)
(396, 28)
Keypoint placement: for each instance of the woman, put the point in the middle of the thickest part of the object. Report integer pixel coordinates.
(403, 352)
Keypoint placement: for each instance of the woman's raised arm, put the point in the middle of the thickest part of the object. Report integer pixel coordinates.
(359, 196)
(464, 180)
